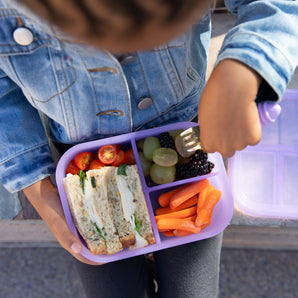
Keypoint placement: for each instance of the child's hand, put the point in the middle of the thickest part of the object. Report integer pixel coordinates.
(228, 114)
(44, 197)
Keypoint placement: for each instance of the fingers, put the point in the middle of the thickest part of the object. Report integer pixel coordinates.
(45, 199)
(57, 224)
(228, 144)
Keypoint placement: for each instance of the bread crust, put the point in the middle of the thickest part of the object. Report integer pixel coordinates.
(76, 198)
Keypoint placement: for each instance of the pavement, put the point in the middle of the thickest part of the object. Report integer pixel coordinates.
(43, 269)
(49, 272)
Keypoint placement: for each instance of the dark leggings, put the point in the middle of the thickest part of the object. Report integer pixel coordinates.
(187, 271)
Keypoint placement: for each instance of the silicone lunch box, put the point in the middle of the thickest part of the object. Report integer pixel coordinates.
(221, 216)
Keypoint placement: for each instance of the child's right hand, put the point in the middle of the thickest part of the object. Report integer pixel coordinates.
(44, 197)
(228, 115)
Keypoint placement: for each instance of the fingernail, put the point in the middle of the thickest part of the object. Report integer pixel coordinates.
(76, 248)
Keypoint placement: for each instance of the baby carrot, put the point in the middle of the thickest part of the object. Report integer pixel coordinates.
(169, 233)
(178, 214)
(164, 198)
(204, 215)
(184, 194)
(203, 195)
(190, 218)
(177, 224)
(203, 218)
(181, 232)
(190, 202)
(213, 199)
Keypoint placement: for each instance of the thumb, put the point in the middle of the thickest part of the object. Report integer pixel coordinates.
(68, 240)
(76, 247)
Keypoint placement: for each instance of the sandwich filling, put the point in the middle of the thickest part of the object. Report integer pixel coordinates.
(129, 210)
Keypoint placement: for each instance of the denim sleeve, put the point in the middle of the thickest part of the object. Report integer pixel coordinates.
(264, 37)
(25, 156)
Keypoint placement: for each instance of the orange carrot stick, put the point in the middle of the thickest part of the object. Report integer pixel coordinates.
(203, 218)
(189, 203)
(190, 190)
(180, 233)
(190, 218)
(164, 198)
(169, 233)
(213, 199)
(203, 195)
(178, 214)
(204, 215)
(177, 224)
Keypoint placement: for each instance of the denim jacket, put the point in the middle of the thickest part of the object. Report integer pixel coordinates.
(56, 88)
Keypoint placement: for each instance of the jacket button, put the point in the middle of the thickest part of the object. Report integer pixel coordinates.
(23, 36)
(127, 60)
(145, 103)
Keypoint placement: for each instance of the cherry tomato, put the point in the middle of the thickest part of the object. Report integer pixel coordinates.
(121, 158)
(117, 146)
(83, 160)
(96, 164)
(72, 168)
(107, 154)
(95, 155)
(130, 157)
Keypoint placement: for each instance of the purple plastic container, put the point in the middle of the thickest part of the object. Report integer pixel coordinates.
(263, 178)
(221, 216)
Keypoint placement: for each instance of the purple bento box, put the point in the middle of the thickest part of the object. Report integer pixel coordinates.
(221, 216)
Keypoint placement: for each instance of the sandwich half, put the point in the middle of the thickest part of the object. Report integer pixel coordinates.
(77, 204)
(109, 209)
(134, 206)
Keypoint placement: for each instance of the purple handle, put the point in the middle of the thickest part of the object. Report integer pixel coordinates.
(268, 112)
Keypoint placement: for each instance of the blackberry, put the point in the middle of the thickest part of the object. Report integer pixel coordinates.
(197, 165)
(166, 140)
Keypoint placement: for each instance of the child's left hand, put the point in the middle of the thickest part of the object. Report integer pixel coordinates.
(228, 114)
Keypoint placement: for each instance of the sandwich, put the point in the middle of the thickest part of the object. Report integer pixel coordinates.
(109, 209)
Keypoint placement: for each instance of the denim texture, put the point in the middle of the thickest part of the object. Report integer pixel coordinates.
(59, 89)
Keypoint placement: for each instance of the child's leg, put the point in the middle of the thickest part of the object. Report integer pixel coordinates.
(190, 270)
(126, 278)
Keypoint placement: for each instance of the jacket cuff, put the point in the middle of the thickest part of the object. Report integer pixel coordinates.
(262, 56)
(27, 168)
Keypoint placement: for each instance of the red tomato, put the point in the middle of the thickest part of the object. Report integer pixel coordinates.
(83, 160)
(96, 164)
(107, 154)
(120, 158)
(130, 157)
(117, 146)
(72, 168)
(95, 155)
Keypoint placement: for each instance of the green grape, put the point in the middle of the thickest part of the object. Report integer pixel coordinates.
(145, 164)
(162, 175)
(165, 157)
(150, 144)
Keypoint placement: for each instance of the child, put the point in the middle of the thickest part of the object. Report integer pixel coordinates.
(139, 70)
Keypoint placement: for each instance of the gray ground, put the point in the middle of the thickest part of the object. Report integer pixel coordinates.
(49, 272)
